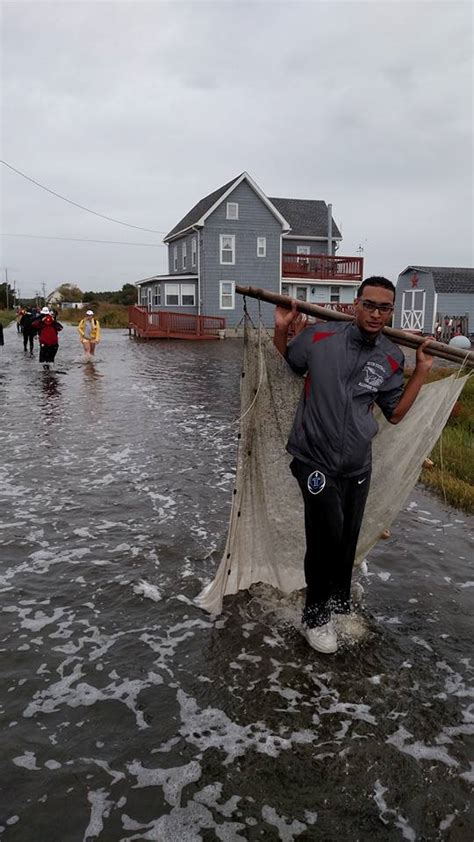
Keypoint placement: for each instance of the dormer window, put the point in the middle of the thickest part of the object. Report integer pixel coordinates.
(232, 210)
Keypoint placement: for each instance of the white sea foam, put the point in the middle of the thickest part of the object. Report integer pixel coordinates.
(172, 780)
(143, 588)
(419, 750)
(100, 809)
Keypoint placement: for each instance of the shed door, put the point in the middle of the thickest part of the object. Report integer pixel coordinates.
(413, 309)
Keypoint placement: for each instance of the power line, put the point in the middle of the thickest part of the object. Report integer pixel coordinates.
(58, 195)
(84, 240)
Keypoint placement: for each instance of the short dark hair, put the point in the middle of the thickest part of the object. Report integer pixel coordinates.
(376, 281)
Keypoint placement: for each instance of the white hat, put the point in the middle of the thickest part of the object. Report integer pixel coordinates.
(89, 312)
(45, 311)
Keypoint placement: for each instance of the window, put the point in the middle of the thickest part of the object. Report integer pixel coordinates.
(232, 210)
(184, 255)
(301, 293)
(193, 251)
(227, 248)
(187, 295)
(334, 295)
(156, 295)
(143, 296)
(180, 295)
(285, 289)
(261, 246)
(175, 258)
(227, 295)
(172, 295)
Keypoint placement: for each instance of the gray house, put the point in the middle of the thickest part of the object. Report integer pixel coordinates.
(238, 235)
(427, 294)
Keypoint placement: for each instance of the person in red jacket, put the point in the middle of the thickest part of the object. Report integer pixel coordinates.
(48, 329)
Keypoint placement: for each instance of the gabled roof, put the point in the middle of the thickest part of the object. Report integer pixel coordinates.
(194, 215)
(198, 214)
(448, 278)
(307, 217)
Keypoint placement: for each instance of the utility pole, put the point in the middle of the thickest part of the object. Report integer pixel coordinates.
(6, 285)
(43, 286)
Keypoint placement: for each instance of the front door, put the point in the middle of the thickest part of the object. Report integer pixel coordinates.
(413, 309)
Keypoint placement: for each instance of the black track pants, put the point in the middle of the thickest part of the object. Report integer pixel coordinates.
(28, 336)
(333, 519)
(47, 353)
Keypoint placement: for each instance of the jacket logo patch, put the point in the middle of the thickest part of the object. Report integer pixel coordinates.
(373, 376)
(316, 482)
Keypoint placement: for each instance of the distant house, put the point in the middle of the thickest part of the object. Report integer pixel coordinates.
(238, 235)
(56, 299)
(426, 294)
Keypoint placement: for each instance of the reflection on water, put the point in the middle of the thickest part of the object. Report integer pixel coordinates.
(133, 715)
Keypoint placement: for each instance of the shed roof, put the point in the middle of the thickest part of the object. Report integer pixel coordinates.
(448, 278)
(307, 217)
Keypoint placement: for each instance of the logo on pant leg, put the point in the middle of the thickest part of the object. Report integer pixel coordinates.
(316, 482)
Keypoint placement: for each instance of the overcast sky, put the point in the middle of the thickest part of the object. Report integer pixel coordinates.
(137, 110)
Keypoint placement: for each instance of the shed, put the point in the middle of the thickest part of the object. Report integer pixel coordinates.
(427, 294)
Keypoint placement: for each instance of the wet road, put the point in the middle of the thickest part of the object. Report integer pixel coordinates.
(127, 713)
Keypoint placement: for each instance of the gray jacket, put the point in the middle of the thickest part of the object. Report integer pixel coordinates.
(346, 373)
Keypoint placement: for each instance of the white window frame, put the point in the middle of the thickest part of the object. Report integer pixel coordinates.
(193, 251)
(168, 293)
(156, 295)
(333, 290)
(221, 239)
(143, 296)
(191, 290)
(184, 255)
(261, 246)
(232, 210)
(231, 293)
(175, 258)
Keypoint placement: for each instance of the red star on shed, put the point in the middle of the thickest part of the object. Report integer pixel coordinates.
(414, 281)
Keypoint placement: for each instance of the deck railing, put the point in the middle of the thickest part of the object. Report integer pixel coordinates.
(322, 266)
(166, 323)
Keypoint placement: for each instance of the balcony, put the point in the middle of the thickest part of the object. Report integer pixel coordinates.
(322, 267)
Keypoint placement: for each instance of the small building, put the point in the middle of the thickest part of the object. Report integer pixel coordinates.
(238, 235)
(427, 295)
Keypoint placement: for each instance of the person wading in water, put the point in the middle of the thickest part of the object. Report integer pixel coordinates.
(349, 367)
(48, 329)
(89, 332)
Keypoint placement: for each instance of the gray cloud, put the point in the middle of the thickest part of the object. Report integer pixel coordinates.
(139, 109)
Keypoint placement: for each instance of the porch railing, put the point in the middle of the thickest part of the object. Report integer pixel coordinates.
(165, 323)
(322, 266)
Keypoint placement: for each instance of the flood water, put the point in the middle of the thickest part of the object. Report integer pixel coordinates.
(128, 713)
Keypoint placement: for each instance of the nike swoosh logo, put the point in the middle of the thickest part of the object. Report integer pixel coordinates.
(360, 481)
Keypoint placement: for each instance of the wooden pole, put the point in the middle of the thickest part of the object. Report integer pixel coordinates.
(401, 337)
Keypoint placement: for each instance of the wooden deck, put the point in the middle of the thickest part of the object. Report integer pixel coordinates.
(161, 324)
(322, 267)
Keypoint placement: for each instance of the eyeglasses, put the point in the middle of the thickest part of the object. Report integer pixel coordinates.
(372, 306)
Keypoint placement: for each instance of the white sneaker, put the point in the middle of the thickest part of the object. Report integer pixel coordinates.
(321, 638)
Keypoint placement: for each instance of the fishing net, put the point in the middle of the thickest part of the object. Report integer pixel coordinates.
(265, 541)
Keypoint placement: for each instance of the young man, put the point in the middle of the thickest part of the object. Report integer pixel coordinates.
(349, 366)
(89, 332)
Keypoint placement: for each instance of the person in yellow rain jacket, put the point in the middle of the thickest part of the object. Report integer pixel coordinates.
(89, 332)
